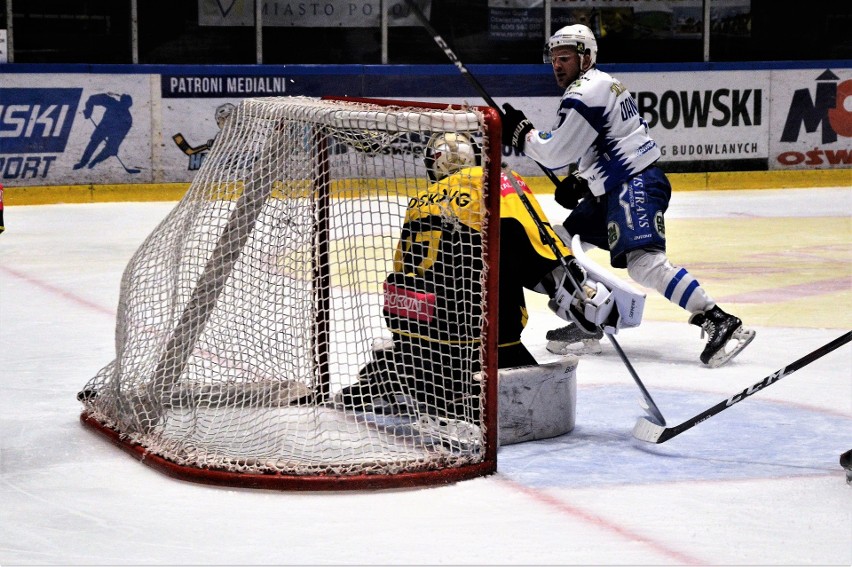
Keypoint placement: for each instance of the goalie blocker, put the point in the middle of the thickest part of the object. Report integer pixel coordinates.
(616, 304)
(607, 304)
(585, 294)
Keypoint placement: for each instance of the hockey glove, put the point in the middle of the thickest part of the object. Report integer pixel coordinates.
(570, 190)
(515, 127)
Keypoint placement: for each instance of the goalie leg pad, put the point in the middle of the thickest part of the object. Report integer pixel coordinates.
(537, 402)
(447, 434)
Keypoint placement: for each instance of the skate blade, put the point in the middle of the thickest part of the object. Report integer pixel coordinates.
(738, 341)
(578, 348)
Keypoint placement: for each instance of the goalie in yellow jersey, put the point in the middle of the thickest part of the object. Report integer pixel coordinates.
(432, 298)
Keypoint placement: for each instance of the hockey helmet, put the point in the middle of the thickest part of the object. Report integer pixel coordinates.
(577, 36)
(448, 152)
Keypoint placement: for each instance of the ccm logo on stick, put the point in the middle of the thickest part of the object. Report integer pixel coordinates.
(775, 376)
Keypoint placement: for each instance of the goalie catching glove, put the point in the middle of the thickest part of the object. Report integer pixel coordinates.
(569, 298)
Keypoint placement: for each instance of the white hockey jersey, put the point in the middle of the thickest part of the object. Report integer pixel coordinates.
(600, 128)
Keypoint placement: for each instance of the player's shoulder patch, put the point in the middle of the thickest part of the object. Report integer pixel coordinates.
(575, 86)
(617, 87)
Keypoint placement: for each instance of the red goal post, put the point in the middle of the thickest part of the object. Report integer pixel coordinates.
(258, 299)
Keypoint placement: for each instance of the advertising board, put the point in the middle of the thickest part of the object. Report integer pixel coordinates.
(116, 127)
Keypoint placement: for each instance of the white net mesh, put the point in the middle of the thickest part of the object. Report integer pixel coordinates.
(257, 301)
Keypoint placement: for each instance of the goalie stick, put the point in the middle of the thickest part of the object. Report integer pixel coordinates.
(644, 430)
(649, 406)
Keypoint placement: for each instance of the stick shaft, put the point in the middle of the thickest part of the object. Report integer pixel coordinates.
(652, 407)
(427, 25)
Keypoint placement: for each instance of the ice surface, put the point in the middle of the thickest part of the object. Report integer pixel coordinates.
(757, 484)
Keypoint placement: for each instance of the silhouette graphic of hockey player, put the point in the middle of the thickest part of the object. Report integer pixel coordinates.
(110, 131)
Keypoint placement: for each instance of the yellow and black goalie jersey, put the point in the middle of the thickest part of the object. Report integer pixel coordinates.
(434, 292)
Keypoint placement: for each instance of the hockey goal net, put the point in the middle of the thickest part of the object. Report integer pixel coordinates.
(261, 296)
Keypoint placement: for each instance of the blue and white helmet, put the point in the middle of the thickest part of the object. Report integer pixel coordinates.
(577, 36)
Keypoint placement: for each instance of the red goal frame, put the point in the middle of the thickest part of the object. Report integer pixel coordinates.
(276, 481)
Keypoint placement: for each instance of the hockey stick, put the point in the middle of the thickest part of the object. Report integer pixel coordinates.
(650, 407)
(415, 9)
(185, 147)
(644, 430)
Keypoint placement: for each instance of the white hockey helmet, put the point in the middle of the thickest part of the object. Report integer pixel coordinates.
(448, 152)
(577, 36)
(223, 112)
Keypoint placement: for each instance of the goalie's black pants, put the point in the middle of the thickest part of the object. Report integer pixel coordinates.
(439, 376)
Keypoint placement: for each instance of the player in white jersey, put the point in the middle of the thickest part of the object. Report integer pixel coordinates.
(618, 195)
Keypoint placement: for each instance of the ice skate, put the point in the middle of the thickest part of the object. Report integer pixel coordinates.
(571, 340)
(726, 336)
(354, 397)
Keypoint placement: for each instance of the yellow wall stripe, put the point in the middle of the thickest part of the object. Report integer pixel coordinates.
(721, 180)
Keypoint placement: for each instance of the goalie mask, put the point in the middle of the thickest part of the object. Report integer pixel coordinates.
(447, 153)
(223, 112)
(577, 36)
